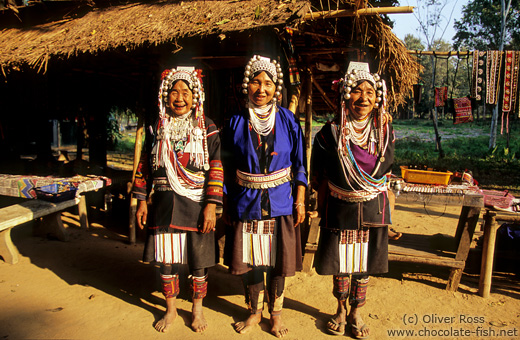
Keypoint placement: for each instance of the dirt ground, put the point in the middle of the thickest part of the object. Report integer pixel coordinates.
(95, 287)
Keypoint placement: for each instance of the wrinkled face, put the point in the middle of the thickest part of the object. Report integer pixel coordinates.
(362, 100)
(261, 89)
(180, 98)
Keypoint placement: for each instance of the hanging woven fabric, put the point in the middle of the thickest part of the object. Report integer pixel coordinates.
(461, 107)
(510, 86)
(494, 63)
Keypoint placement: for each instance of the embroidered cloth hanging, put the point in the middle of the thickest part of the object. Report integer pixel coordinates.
(494, 63)
(441, 95)
(477, 74)
(463, 112)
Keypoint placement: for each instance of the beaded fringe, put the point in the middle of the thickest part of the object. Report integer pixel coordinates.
(353, 251)
(259, 243)
(171, 248)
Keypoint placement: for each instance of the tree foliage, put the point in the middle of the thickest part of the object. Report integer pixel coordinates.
(480, 26)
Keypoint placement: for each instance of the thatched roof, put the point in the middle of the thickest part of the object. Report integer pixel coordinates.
(134, 25)
(93, 30)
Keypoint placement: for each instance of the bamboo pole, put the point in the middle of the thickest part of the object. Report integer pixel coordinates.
(441, 54)
(364, 11)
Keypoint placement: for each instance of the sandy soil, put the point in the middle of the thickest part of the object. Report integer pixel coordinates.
(95, 287)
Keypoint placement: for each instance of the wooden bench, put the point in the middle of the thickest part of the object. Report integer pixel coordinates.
(17, 214)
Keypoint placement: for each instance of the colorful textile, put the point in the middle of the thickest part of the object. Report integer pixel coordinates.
(23, 186)
(358, 293)
(177, 211)
(199, 287)
(494, 63)
(353, 251)
(441, 95)
(477, 74)
(170, 285)
(463, 112)
(341, 286)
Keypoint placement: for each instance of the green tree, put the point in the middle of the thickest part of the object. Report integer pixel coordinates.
(480, 26)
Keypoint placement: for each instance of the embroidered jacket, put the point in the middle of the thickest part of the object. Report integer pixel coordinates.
(238, 152)
(326, 166)
(169, 209)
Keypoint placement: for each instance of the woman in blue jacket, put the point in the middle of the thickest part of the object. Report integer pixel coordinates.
(265, 179)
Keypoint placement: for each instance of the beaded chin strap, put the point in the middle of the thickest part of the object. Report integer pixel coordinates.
(194, 79)
(272, 67)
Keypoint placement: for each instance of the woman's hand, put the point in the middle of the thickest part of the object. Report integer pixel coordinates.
(299, 213)
(210, 218)
(141, 214)
(299, 206)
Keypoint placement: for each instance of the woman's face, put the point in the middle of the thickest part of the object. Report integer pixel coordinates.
(261, 89)
(362, 100)
(180, 98)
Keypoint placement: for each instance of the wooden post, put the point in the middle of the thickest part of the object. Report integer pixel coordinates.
(295, 98)
(137, 156)
(82, 212)
(488, 254)
(467, 222)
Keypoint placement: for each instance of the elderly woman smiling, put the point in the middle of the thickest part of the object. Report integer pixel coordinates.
(265, 180)
(183, 178)
(351, 158)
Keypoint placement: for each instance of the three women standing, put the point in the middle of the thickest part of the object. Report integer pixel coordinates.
(351, 158)
(265, 180)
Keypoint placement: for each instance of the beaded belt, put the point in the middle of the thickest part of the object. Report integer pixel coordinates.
(260, 181)
(261, 227)
(351, 196)
(161, 184)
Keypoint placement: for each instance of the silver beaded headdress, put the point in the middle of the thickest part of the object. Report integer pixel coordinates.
(194, 79)
(356, 74)
(272, 67)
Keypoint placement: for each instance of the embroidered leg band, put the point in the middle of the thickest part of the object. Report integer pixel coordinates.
(341, 286)
(358, 294)
(199, 287)
(275, 296)
(170, 285)
(255, 297)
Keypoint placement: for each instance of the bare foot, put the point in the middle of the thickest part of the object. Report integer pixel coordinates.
(278, 329)
(198, 322)
(164, 324)
(243, 327)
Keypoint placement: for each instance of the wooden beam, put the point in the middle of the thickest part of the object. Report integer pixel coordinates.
(318, 51)
(364, 11)
(324, 95)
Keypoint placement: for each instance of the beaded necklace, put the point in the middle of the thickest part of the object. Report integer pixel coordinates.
(352, 172)
(262, 118)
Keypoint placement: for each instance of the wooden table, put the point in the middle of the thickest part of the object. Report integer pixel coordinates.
(471, 202)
